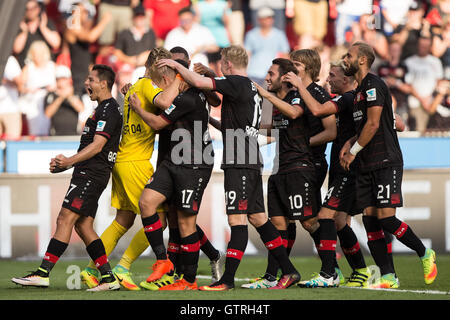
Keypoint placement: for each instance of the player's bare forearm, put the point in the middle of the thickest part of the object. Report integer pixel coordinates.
(371, 126)
(193, 78)
(87, 153)
(165, 98)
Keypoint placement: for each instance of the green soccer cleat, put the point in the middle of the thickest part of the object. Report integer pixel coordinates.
(156, 285)
(358, 279)
(341, 277)
(90, 277)
(429, 266)
(387, 281)
(124, 276)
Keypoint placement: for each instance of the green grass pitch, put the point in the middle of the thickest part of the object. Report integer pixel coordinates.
(408, 267)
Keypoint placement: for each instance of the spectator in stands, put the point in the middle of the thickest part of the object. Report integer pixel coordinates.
(192, 36)
(441, 46)
(34, 27)
(121, 16)
(80, 34)
(349, 12)
(163, 16)
(10, 116)
(394, 14)
(408, 34)
(310, 21)
(278, 7)
(134, 44)
(214, 15)
(62, 106)
(393, 72)
(366, 30)
(38, 78)
(237, 22)
(263, 44)
(424, 72)
(438, 13)
(439, 109)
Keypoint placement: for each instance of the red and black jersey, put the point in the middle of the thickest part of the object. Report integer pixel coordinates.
(315, 123)
(190, 143)
(240, 117)
(384, 149)
(293, 151)
(345, 128)
(106, 121)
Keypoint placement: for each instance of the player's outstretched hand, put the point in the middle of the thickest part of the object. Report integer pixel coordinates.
(125, 88)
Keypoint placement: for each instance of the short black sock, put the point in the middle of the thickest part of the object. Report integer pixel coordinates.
(235, 251)
(377, 244)
(96, 251)
(206, 246)
(190, 249)
(154, 232)
(54, 251)
(350, 247)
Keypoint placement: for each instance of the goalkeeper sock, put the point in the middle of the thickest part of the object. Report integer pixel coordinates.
(137, 246)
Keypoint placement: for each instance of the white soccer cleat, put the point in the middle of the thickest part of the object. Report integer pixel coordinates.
(261, 283)
(320, 281)
(32, 280)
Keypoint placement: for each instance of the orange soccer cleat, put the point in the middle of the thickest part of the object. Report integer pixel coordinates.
(160, 268)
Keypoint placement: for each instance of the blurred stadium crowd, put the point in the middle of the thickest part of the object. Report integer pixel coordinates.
(42, 91)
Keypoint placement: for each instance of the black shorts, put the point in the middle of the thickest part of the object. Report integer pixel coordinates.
(341, 194)
(381, 188)
(182, 186)
(292, 195)
(243, 191)
(82, 196)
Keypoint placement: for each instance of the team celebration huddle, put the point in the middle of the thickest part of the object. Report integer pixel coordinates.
(173, 99)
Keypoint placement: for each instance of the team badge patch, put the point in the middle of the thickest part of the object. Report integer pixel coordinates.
(371, 94)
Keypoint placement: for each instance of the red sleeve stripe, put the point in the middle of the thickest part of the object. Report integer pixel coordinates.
(102, 133)
(162, 115)
(336, 105)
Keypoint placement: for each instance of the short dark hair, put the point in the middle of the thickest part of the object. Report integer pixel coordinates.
(184, 63)
(105, 72)
(285, 66)
(185, 10)
(365, 50)
(180, 50)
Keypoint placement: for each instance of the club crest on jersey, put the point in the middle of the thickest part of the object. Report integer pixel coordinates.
(100, 125)
(359, 97)
(371, 94)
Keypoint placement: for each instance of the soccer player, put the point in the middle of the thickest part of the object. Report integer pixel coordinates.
(92, 164)
(183, 174)
(380, 166)
(240, 119)
(132, 171)
(291, 187)
(341, 196)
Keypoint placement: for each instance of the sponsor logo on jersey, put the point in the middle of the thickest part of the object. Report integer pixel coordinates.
(295, 101)
(100, 125)
(170, 109)
(371, 94)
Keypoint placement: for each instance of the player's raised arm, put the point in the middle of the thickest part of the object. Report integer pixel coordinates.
(317, 109)
(293, 112)
(193, 78)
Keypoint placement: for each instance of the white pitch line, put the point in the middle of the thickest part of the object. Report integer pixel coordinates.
(437, 292)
